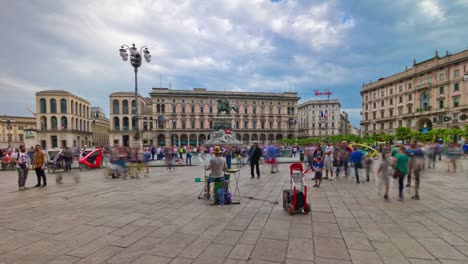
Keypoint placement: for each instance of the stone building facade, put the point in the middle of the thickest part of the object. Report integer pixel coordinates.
(122, 118)
(431, 94)
(62, 119)
(319, 118)
(100, 126)
(186, 116)
(20, 130)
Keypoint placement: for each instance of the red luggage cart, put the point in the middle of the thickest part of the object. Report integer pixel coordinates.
(295, 199)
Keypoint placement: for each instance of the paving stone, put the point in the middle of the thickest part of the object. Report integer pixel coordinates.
(164, 231)
(440, 249)
(423, 261)
(449, 237)
(297, 261)
(331, 261)
(151, 259)
(136, 250)
(94, 246)
(301, 249)
(101, 255)
(367, 223)
(356, 240)
(64, 260)
(241, 252)
(228, 237)
(330, 248)
(300, 231)
(234, 261)
(181, 261)
(326, 230)
(276, 229)
(388, 253)
(411, 248)
(134, 237)
(376, 235)
(323, 217)
(214, 253)
(249, 237)
(173, 245)
(451, 261)
(270, 250)
(464, 250)
(348, 224)
(394, 230)
(195, 249)
(364, 257)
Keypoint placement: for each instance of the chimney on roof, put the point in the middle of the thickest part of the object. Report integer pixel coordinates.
(414, 62)
(437, 54)
(446, 53)
(406, 67)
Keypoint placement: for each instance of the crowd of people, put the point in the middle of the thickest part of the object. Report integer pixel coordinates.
(326, 161)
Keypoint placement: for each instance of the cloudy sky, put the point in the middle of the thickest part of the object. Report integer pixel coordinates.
(242, 45)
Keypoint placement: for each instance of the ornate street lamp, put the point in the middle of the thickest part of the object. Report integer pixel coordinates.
(135, 60)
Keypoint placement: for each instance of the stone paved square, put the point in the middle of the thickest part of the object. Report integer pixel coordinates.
(159, 219)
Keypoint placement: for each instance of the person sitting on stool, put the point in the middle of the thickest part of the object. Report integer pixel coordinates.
(218, 167)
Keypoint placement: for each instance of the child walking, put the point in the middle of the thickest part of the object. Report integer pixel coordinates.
(318, 172)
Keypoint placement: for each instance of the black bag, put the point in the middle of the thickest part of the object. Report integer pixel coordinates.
(397, 174)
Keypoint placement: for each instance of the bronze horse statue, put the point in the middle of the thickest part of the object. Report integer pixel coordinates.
(224, 106)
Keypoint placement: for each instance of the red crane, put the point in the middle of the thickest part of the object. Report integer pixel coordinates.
(317, 93)
(327, 93)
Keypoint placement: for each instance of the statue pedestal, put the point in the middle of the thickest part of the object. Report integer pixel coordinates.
(222, 122)
(137, 144)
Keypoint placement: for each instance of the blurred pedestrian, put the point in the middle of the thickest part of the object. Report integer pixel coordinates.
(40, 161)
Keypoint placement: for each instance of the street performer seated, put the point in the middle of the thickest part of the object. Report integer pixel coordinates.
(218, 167)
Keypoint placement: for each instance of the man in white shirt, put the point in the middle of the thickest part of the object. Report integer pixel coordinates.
(23, 163)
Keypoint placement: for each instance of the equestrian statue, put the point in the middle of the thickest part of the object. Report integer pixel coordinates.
(224, 106)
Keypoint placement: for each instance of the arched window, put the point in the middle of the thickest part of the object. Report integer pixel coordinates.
(76, 108)
(125, 124)
(72, 122)
(63, 122)
(133, 106)
(124, 107)
(158, 108)
(72, 107)
(43, 123)
(53, 122)
(80, 110)
(43, 106)
(77, 125)
(115, 106)
(63, 106)
(81, 124)
(53, 106)
(116, 123)
(163, 108)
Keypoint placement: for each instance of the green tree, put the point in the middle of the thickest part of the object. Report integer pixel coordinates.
(403, 133)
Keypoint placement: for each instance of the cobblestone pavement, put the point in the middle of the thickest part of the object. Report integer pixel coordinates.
(160, 220)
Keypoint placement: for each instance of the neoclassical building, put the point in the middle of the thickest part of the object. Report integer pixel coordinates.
(62, 119)
(122, 121)
(186, 116)
(431, 94)
(100, 126)
(17, 130)
(319, 118)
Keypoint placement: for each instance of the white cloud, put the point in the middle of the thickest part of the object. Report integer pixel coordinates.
(431, 10)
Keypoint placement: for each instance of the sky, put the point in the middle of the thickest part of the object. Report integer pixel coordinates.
(238, 45)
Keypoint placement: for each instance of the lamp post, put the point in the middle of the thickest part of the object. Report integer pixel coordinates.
(135, 61)
(8, 127)
(174, 122)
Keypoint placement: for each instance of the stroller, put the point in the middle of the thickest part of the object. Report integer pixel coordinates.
(295, 199)
(55, 160)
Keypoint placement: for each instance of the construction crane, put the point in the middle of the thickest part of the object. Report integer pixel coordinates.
(31, 111)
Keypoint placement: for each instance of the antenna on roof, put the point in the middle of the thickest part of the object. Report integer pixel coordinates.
(170, 85)
(160, 85)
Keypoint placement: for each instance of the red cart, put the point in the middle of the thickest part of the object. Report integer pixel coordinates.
(295, 199)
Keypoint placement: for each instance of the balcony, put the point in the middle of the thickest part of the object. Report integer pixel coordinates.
(425, 86)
